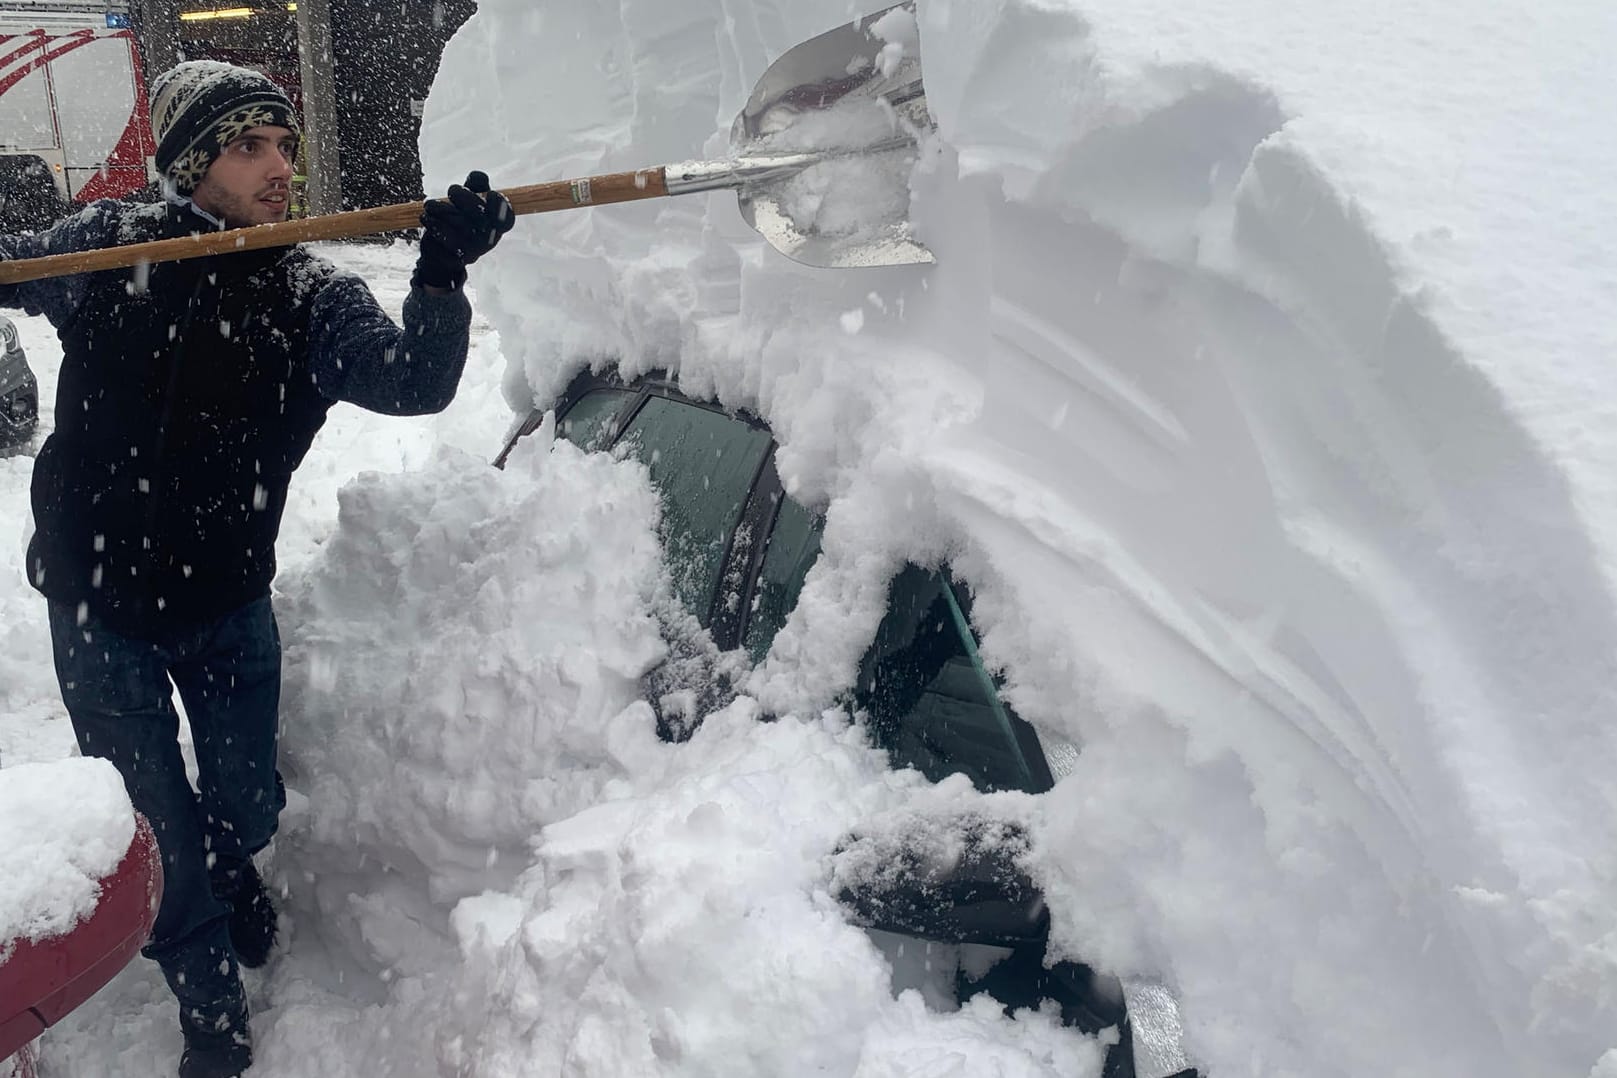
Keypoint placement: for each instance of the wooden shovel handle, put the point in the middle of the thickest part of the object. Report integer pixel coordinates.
(537, 198)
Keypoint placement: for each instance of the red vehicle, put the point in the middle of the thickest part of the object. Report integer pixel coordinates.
(42, 980)
(75, 125)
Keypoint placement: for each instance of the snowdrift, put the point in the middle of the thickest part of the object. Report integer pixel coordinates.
(1258, 393)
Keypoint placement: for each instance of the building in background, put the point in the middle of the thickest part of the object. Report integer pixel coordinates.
(264, 38)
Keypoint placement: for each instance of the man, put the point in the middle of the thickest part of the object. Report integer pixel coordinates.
(188, 393)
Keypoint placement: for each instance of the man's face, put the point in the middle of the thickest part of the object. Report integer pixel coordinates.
(250, 182)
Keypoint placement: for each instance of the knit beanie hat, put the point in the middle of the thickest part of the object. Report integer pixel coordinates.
(200, 106)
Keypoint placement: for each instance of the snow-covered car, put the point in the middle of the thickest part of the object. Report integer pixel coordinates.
(19, 391)
(738, 549)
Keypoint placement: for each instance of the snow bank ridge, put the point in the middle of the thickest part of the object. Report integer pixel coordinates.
(1258, 509)
(1193, 291)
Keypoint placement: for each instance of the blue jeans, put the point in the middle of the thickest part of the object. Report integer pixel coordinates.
(117, 691)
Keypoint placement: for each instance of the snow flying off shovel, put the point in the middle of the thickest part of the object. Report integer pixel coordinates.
(822, 155)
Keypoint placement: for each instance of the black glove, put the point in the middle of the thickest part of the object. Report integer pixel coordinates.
(456, 233)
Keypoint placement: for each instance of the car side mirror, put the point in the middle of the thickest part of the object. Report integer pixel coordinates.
(958, 880)
(952, 880)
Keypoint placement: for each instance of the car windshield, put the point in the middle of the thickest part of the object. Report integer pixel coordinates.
(793, 547)
(591, 422)
(703, 463)
(931, 702)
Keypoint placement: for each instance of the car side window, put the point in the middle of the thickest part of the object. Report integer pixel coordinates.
(703, 464)
(588, 423)
(794, 544)
(931, 702)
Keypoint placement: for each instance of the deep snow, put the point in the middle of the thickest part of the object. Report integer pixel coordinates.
(1261, 394)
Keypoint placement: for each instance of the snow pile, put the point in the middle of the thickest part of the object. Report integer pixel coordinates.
(466, 638)
(495, 835)
(688, 931)
(63, 827)
(1258, 394)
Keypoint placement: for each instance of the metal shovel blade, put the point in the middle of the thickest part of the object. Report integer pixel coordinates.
(850, 103)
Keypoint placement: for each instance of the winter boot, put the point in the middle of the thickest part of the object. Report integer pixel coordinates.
(209, 1055)
(252, 914)
(223, 1049)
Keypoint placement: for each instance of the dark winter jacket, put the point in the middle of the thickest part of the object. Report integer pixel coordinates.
(188, 394)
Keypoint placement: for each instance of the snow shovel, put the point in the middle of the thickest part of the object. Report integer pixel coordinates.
(821, 160)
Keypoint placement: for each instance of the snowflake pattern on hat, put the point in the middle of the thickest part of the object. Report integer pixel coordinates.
(237, 124)
(188, 171)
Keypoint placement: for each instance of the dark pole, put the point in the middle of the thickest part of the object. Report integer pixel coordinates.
(157, 26)
(316, 60)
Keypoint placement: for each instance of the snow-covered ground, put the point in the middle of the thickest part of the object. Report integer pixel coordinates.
(1262, 393)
